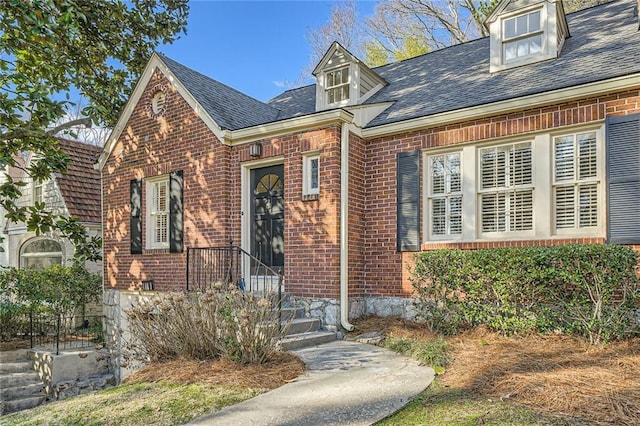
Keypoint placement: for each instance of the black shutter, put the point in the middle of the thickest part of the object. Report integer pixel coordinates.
(408, 202)
(175, 211)
(135, 190)
(623, 179)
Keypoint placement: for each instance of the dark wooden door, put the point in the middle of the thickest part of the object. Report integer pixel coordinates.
(267, 213)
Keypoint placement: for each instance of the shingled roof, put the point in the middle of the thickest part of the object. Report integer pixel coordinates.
(604, 43)
(229, 108)
(80, 186)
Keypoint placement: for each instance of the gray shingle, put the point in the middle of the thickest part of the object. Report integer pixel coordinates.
(604, 43)
(229, 108)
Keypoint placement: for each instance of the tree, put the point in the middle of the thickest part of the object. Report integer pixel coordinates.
(49, 48)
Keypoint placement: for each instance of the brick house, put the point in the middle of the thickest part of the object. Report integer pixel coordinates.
(530, 136)
(76, 193)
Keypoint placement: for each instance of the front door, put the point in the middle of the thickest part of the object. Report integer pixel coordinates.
(267, 215)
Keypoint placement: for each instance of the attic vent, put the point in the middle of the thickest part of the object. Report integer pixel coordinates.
(159, 102)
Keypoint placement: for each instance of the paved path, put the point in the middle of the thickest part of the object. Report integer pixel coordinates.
(346, 383)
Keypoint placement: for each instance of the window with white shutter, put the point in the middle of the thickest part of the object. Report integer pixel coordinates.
(506, 188)
(445, 196)
(158, 212)
(575, 181)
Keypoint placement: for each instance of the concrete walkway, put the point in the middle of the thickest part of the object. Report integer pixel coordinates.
(346, 383)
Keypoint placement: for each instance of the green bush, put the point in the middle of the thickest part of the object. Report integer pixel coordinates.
(218, 323)
(588, 290)
(58, 289)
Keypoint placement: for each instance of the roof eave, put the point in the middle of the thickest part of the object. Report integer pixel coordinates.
(567, 94)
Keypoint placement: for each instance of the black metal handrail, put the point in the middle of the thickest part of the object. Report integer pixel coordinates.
(230, 265)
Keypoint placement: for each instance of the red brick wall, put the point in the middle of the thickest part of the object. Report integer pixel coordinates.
(179, 140)
(386, 268)
(356, 237)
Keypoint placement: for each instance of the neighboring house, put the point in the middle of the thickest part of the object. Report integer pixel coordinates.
(528, 137)
(76, 193)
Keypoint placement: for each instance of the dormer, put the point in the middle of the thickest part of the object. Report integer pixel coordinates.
(343, 80)
(526, 31)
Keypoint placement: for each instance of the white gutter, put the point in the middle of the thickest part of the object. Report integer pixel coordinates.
(344, 228)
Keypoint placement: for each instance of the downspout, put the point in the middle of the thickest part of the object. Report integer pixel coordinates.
(344, 228)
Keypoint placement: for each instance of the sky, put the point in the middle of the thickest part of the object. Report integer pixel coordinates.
(252, 46)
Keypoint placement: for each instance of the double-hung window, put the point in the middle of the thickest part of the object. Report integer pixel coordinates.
(576, 181)
(158, 213)
(506, 188)
(337, 85)
(445, 195)
(522, 36)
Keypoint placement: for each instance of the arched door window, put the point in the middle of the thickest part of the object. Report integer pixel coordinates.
(40, 253)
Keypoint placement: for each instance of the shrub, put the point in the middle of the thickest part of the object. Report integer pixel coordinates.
(588, 290)
(218, 323)
(434, 353)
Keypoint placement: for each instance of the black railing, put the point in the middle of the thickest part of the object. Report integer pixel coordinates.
(231, 265)
(51, 331)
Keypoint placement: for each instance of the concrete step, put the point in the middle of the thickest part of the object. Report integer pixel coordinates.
(15, 355)
(302, 325)
(16, 392)
(16, 367)
(301, 340)
(12, 406)
(11, 380)
(289, 313)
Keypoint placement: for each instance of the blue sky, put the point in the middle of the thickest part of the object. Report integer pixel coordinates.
(252, 46)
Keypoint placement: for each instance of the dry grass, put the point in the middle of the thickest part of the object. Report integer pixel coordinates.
(284, 368)
(554, 374)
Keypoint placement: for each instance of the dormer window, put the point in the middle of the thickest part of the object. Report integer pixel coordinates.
(522, 36)
(337, 85)
(526, 31)
(343, 80)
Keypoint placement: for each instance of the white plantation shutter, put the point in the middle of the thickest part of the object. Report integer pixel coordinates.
(506, 177)
(445, 198)
(576, 186)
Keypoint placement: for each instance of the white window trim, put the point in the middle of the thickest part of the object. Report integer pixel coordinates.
(35, 185)
(429, 196)
(543, 166)
(505, 190)
(326, 87)
(150, 242)
(307, 157)
(598, 180)
(548, 29)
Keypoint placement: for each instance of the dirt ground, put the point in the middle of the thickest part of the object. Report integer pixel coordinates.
(555, 374)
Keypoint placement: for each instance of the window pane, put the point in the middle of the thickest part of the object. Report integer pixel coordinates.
(534, 21)
(565, 207)
(455, 215)
(453, 171)
(521, 210)
(510, 50)
(314, 173)
(493, 212)
(521, 25)
(535, 44)
(438, 216)
(42, 246)
(510, 28)
(437, 175)
(587, 163)
(523, 48)
(564, 158)
(588, 205)
(520, 165)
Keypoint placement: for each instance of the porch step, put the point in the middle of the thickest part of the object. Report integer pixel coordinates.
(14, 405)
(290, 313)
(20, 386)
(301, 340)
(15, 355)
(303, 325)
(16, 367)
